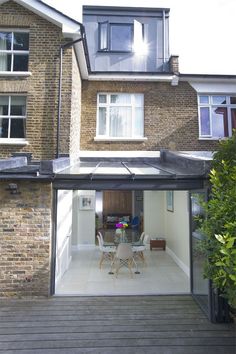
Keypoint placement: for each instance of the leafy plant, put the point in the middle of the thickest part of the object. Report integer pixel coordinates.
(219, 227)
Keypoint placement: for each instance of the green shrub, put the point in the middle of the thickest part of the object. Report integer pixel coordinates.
(219, 227)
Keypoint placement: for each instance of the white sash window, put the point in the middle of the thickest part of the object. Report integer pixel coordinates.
(120, 115)
(217, 116)
(14, 51)
(12, 117)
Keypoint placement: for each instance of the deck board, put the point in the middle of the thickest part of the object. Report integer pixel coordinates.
(132, 324)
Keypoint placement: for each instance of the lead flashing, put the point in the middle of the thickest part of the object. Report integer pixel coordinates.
(13, 162)
(48, 167)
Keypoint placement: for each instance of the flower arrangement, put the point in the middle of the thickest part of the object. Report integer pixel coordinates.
(121, 225)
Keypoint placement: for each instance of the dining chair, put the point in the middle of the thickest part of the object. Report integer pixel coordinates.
(124, 258)
(139, 250)
(100, 234)
(142, 237)
(103, 242)
(108, 252)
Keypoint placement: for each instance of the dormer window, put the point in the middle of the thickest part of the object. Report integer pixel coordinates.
(14, 51)
(115, 37)
(119, 37)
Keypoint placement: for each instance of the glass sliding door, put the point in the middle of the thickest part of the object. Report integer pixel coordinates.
(209, 298)
(199, 285)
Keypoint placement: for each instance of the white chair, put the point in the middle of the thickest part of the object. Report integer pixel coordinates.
(100, 234)
(124, 258)
(108, 252)
(103, 242)
(142, 237)
(139, 250)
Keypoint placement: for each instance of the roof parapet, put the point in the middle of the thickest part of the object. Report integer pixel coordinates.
(193, 164)
(48, 167)
(13, 162)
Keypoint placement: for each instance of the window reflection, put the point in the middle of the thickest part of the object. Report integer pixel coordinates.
(218, 99)
(216, 117)
(115, 37)
(14, 51)
(12, 117)
(121, 37)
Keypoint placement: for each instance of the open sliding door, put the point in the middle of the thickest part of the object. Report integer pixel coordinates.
(207, 297)
(199, 286)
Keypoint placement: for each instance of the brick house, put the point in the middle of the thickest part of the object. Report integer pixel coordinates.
(30, 77)
(93, 107)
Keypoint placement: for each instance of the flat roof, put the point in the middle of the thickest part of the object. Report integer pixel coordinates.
(166, 170)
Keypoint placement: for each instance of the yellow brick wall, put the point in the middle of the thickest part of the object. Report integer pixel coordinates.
(170, 117)
(25, 239)
(41, 88)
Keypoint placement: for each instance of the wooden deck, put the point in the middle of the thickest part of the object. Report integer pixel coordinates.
(107, 325)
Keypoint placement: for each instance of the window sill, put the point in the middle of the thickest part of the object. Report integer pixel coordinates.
(15, 73)
(120, 139)
(4, 141)
(211, 139)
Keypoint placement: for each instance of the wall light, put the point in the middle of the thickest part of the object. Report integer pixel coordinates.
(13, 188)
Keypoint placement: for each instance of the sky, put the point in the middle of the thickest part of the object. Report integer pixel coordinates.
(201, 31)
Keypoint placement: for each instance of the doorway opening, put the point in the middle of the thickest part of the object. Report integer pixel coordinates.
(162, 215)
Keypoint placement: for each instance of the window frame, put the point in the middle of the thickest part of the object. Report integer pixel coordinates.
(107, 105)
(211, 106)
(13, 51)
(107, 48)
(8, 139)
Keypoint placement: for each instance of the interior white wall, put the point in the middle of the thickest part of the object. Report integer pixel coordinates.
(99, 207)
(177, 229)
(153, 215)
(64, 223)
(173, 226)
(83, 226)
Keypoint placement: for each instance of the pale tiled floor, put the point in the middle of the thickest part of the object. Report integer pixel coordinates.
(161, 275)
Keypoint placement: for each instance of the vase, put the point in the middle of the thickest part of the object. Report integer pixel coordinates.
(122, 235)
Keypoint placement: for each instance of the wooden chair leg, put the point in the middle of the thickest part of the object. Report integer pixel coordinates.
(143, 258)
(130, 262)
(101, 260)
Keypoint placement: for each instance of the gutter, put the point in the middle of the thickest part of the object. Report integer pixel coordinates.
(131, 77)
(207, 78)
(164, 36)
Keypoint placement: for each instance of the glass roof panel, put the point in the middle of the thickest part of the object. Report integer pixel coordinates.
(84, 168)
(143, 169)
(112, 168)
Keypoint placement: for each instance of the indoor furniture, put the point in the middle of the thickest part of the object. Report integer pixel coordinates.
(108, 252)
(158, 243)
(139, 249)
(124, 258)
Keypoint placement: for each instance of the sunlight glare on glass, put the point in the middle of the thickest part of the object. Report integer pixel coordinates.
(140, 48)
